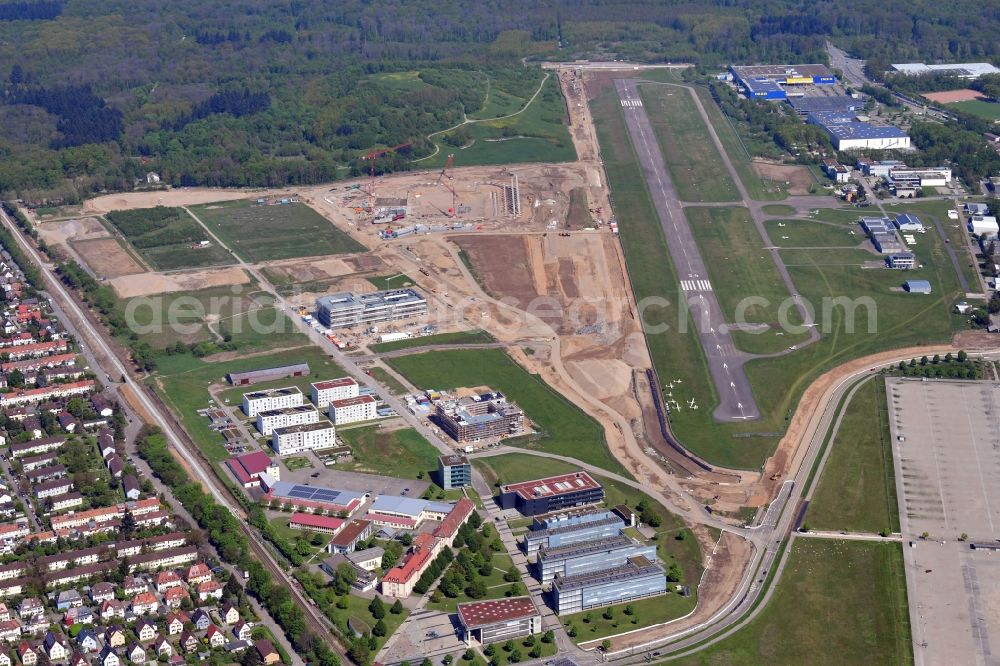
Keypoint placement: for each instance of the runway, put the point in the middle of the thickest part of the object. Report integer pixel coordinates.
(725, 362)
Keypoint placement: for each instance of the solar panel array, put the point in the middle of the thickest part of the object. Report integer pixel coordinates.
(314, 494)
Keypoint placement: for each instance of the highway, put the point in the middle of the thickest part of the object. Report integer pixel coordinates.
(103, 359)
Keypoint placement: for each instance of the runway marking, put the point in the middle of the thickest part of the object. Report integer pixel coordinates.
(632, 103)
(696, 285)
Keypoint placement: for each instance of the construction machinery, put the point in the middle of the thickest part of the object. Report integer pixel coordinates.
(444, 169)
(372, 154)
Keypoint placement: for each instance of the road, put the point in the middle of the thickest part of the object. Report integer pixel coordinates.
(725, 362)
(94, 345)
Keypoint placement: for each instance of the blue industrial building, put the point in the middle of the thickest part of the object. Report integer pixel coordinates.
(589, 556)
(771, 81)
(638, 578)
(568, 529)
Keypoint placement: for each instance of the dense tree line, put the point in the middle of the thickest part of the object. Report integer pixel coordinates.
(34, 10)
(236, 103)
(83, 116)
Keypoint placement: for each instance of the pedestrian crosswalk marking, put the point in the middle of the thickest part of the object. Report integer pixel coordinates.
(696, 285)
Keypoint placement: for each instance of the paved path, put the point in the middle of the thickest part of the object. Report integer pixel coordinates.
(725, 362)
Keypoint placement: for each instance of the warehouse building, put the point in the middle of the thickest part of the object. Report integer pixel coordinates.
(589, 556)
(772, 82)
(260, 401)
(568, 529)
(826, 104)
(903, 176)
(638, 578)
(455, 471)
(909, 223)
(353, 410)
(963, 70)
(847, 133)
(310, 498)
(303, 437)
(984, 226)
(323, 393)
(498, 620)
(347, 309)
(268, 374)
(270, 419)
(550, 494)
(917, 286)
(478, 417)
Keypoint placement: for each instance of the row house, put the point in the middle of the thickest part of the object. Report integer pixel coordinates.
(47, 473)
(36, 446)
(32, 364)
(27, 396)
(37, 350)
(52, 488)
(31, 463)
(165, 558)
(66, 501)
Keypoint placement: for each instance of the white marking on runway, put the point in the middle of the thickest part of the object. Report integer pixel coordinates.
(696, 285)
(632, 103)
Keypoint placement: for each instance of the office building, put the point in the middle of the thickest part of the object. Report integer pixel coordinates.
(283, 417)
(304, 437)
(352, 410)
(455, 471)
(498, 620)
(901, 260)
(260, 401)
(540, 496)
(474, 418)
(347, 309)
(323, 393)
(638, 578)
(568, 529)
(589, 556)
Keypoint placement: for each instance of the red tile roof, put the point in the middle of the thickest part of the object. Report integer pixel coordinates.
(458, 515)
(414, 562)
(350, 532)
(312, 520)
(553, 486)
(483, 613)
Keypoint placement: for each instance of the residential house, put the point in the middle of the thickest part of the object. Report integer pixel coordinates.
(210, 589)
(234, 647)
(77, 659)
(10, 631)
(144, 603)
(111, 609)
(175, 622)
(242, 631)
(174, 597)
(162, 647)
(107, 657)
(267, 652)
(68, 599)
(87, 641)
(105, 443)
(215, 637)
(189, 642)
(55, 646)
(130, 484)
(136, 653)
(145, 630)
(78, 615)
(166, 580)
(101, 405)
(134, 585)
(229, 613)
(114, 636)
(27, 653)
(4, 613)
(5, 659)
(102, 591)
(201, 620)
(198, 573)
(30, 607)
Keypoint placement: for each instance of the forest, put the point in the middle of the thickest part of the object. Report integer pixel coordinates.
(96, 93)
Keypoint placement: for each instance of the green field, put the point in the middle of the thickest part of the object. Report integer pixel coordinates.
(592, 625)
(838, 602)
(563, 428)
(857, 490)
(166, 238)
(497, 587)
(815, 233)
(403, 453)
(695, 165)
(247, 318)
(383, 377)
(977, 107)
(536, 135)
(475, 336)
(740, 269)
(395, 281)
(182, 383)
(264, 233)
(779, 209)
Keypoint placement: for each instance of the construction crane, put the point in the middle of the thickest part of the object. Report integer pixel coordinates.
(372, 154)
(453, 211)
(447, 165)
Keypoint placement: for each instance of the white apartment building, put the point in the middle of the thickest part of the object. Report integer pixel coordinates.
(270, 419)
(303, 437)
(352, 410)
(323, 393)
(262, 401)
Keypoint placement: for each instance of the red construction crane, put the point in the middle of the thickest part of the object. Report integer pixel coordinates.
(372, 154)
(453, 211)
(447, 165)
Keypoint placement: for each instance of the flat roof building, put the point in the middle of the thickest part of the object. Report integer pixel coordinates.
(832, 103)
(847, 133)
(347, 309)
(283, 417)
(268, 374)
(455, 471)
(589, 526)
(901, 260)
(310, 498)
(260, 401)
(333, 389)
(303, 437)
(963, 70)
(353, 410)
(910, 223)
(498, 620)
(551, 494)
(589, 556)
(638, 578)
(917, 286)
(478, 417)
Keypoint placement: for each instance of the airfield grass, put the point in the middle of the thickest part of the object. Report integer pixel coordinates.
(472, 337)
(674, 355)
(901, 319)
(979, 108)
(815, 233)
(857, 490)
(778, 209)
(168, 242)
(538, 134)
(265, 233)
(182, 383)
(838, 602)
(563, 428)
(965, 248)
(741, 269)
(695, 165)
(403, 453)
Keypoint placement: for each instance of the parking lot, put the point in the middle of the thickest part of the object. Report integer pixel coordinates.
(426, 634)
(354, 481)
(946, 445)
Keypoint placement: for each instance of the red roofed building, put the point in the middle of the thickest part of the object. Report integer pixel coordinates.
(350, 535)
(399, 580)
(448, 528)
(396, 522)
(551, 494)
(26, 396)
(247, 469)
(311, 521)
(498, 620)
(37, 349)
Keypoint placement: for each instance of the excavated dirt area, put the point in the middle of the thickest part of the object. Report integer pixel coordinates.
(798, 177)
(106, 257)
(148, 284)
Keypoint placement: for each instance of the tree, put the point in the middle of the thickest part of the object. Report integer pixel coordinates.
(515, 656)
(490, 650)
(377, 608)
(360, 653)
(508, 645)
(924, 360)
(571, 632)
(15, 379)
(608, 614)
(379, 629)
(548, 636)
(251, 658)
(477, 589)
(962, 356)
(629, 610)
(233, 589)
(511, 575)
(397, 608)
(605, 645)
(469, 655)
(447, 660)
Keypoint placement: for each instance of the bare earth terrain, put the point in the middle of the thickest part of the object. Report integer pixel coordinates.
(106, 257)
(798, 177)
(946, 96)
